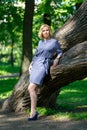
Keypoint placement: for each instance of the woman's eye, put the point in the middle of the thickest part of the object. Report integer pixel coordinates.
(45, 30)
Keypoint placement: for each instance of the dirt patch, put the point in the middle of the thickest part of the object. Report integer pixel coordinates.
(18, 121)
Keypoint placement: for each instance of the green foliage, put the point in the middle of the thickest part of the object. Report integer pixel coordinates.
(11, 26)
(11, 21)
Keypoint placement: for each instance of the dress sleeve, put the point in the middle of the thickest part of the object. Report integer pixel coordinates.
(58, 49)
(34, 57)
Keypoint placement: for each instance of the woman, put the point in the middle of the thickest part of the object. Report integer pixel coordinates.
(40, 64)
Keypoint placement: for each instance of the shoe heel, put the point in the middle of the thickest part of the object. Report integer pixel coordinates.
(35, 117)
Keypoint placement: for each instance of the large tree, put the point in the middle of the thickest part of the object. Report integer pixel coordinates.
(73, 65)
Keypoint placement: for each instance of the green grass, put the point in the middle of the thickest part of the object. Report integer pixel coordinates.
(74, 95)
(9, 69)
(72, 101)
(7, 86)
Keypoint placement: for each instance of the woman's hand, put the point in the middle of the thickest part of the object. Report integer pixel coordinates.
(30, 67)
(55, 62)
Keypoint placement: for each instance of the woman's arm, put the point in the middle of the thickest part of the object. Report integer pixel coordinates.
(59, 55)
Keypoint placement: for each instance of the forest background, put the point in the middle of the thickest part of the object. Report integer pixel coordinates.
(11, 24)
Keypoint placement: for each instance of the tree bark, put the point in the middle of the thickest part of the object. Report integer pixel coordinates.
(72, 66)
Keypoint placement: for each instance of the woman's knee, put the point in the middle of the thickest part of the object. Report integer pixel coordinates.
(31, 87)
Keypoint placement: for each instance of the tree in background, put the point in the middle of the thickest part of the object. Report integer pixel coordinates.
(27, 35)
(11, 21)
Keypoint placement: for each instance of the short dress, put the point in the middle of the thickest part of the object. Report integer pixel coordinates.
(42, 60)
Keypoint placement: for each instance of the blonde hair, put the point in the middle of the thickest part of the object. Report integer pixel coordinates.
(41, 28)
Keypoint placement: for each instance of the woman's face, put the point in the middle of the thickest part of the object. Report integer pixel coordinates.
(46, 33)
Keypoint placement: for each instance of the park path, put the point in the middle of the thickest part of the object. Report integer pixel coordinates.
(14, 121)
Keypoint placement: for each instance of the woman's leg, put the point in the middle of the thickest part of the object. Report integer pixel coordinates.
(33, 96)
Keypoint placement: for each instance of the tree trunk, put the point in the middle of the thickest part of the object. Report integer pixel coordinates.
(72, 66)
(27, 35)
(12, 55)
(75, 29)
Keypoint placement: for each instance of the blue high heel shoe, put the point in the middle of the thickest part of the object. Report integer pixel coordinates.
(35, 117)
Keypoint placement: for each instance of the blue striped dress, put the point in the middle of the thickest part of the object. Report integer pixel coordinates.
(42, 60)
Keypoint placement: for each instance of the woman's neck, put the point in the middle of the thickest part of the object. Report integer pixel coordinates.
(46, 38)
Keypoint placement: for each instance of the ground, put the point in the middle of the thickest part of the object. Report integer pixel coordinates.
(18, 121)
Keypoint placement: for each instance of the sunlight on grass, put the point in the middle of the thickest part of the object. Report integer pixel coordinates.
(58, 115)
(70, 116)
(73, 95)
(2, 72)
(5, 95)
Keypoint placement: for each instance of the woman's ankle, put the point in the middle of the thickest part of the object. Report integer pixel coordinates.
(32, 114)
